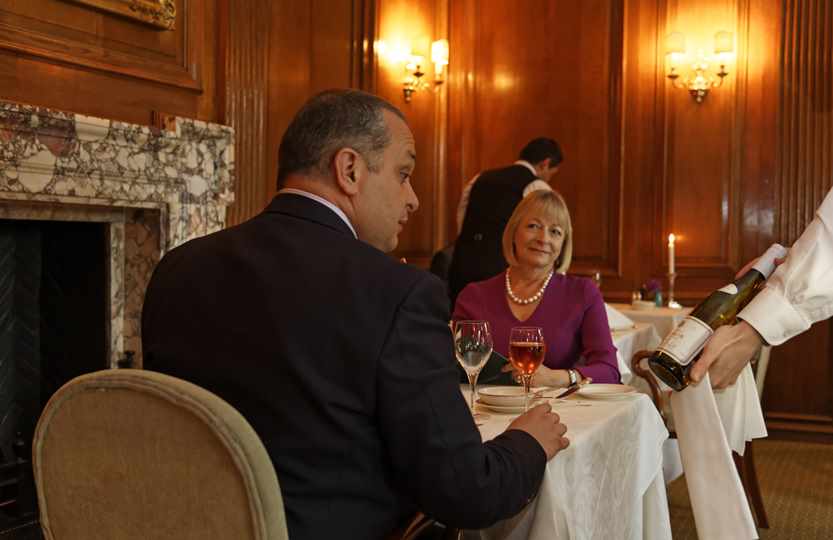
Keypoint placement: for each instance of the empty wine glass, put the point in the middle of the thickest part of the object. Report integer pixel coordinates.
(526, 352)
(472, 347)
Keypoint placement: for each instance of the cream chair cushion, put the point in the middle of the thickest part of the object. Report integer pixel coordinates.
(132, 454)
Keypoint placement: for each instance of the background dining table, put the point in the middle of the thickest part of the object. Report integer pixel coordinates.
(664, 319)
(607, 484)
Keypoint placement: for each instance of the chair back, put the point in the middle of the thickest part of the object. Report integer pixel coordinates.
(134, 454)
(759, 367)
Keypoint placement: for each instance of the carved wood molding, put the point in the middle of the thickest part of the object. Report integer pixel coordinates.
(157, 13)
(246, 95)
(362, 55)
(53, 42)
(805, 114)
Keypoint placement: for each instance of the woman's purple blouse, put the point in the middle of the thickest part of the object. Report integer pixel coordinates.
(571, 312)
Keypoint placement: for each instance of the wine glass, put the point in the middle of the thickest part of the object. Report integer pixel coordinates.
(472, 347)
(526, 352)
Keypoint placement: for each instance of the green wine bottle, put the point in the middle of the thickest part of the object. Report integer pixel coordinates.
(672, 360)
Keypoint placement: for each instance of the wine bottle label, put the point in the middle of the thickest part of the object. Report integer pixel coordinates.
(731, 288)
(686, 340)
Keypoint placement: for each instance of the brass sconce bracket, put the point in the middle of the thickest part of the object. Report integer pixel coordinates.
(413, 83)
(700, 79)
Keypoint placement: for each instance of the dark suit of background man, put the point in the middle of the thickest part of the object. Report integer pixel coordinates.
(339, 356)
(485, 206)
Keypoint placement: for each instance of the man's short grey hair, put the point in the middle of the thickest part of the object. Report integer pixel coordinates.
(332, 120)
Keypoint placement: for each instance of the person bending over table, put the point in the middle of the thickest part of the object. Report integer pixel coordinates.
(534, 291)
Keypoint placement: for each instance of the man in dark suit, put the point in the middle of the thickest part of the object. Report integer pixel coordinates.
(339, 356)
(487, 202)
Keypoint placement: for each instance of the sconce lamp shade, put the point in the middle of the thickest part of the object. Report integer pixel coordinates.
(723, 42)
(675, 43)
(439, 52)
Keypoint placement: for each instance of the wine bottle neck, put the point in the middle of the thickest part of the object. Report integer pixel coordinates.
(749, 278)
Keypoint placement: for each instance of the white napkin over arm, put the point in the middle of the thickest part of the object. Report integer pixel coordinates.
(721, 511)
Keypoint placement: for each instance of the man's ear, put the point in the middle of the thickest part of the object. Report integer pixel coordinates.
(543, 165)
(348, 165)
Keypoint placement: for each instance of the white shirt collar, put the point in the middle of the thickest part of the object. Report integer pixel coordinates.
(338, 211)
(528, 165)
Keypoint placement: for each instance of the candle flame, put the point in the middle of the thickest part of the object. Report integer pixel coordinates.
(671, 238)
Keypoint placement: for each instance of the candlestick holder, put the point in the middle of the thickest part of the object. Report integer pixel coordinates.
(672, 276)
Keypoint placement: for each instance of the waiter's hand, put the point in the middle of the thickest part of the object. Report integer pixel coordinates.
(726, 354)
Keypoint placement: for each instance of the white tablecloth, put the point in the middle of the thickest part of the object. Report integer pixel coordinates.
(627, 342)
(644, 336)
(664, 319)
(607, 485)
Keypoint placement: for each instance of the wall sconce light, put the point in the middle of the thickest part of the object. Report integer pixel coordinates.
(413, 77)
(439, 56)
(414, 74)
(700, 79)
(397, 53)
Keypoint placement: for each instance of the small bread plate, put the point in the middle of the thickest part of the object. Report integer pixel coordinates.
(506, 396)
(510, 409)
(607, 391)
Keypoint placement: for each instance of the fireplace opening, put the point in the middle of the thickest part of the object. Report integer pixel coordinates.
(54, 313)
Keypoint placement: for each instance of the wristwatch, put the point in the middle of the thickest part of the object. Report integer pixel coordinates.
(573, 376)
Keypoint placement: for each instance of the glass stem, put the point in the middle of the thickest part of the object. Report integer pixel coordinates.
(473, 384)
(527, 378)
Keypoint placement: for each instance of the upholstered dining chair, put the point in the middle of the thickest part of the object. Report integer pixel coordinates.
(745, 464)
(134, 454)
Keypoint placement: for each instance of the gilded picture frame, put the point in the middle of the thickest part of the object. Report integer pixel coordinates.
(158, 13)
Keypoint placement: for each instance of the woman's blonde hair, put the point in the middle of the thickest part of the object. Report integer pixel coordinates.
(551, 204)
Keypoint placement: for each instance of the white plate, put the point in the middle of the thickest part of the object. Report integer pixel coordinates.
(607, 391)
(513, 409)
(504, 396)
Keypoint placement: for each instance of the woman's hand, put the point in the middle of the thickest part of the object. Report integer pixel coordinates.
(544, 376)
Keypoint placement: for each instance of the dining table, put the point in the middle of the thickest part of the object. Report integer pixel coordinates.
(664, 319)
(608, 484)
(642, 336)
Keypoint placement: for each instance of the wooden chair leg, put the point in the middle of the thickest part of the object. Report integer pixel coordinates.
(749, 478)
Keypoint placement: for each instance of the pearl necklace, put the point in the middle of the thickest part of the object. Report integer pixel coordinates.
(534, 298)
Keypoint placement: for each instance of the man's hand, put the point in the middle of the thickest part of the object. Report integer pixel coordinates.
(545, 427)
(726, 353)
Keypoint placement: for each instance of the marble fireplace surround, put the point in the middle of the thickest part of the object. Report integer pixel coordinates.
(154, 188)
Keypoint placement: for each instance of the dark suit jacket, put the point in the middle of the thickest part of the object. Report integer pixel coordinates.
(341, 359)
(478, 251)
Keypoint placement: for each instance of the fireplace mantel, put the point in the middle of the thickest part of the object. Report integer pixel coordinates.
(156, 189)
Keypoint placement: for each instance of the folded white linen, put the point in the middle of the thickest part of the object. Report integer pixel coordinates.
(616, 320)
(721, 510)
(740, 411)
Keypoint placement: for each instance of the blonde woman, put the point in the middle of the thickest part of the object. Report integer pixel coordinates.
(535, 291)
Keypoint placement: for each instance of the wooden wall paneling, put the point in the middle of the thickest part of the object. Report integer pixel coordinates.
(306, 56)
(246, 38)
(567, 86)
(440, 224)
(641, 127)
(415, 22)
(363, 53)
(701, 184)
(799, 390)
(58, 74)
(462, 153)
(85, 37)
(759, 141)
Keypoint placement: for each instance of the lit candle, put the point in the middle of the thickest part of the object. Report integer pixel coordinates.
(671, 253)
